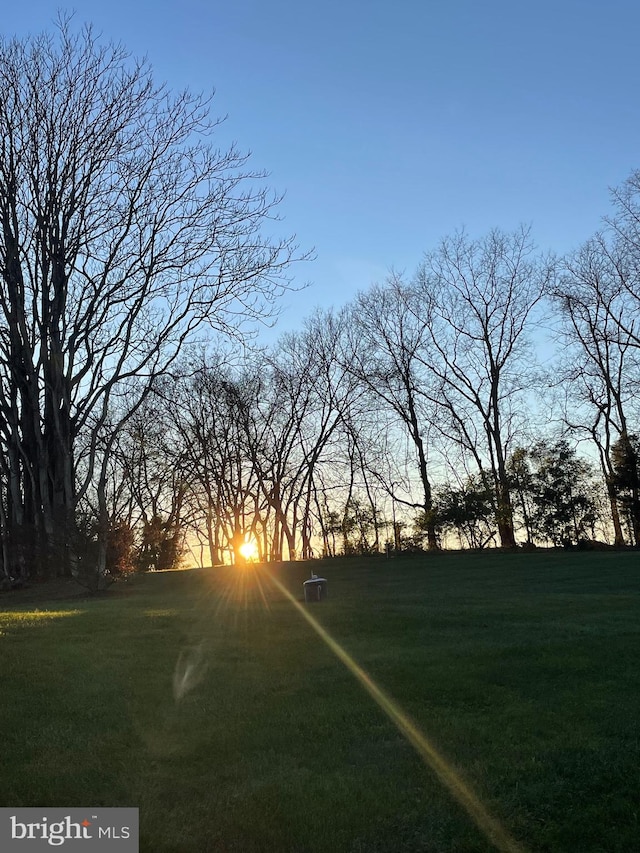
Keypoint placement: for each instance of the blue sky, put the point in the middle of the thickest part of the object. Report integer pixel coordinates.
(391, 124)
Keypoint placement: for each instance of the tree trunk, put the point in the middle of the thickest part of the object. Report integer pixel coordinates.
(618, 536)
(504, 517)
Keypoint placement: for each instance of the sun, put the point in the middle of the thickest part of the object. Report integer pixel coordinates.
(249, 550)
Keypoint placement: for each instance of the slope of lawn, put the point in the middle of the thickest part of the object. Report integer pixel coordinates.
(206, 700)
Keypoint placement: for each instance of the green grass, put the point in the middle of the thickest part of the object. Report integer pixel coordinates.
(203, 698)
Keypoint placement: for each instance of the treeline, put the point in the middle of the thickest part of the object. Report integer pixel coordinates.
(488, 399)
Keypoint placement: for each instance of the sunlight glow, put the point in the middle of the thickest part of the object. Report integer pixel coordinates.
(249, 550)
(447, 775)
(160, 613)
(11, 619)
(34, 617)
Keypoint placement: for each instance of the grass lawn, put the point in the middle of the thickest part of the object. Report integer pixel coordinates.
(205, 699)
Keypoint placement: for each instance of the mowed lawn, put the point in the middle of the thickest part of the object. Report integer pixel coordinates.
(206, 699)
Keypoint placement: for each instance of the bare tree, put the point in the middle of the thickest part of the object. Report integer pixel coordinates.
(123, 230)
(386, 353)
(600, 358)
(250, 440)
(475, 299)
(337, 461)
(207, 408)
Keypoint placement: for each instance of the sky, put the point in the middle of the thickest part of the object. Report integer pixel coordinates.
(389, 125)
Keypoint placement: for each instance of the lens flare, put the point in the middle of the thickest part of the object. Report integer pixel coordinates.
(458, 788)
(190, 670)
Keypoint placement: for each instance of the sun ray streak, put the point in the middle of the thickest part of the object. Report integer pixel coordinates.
(263, 595)
(458, 788)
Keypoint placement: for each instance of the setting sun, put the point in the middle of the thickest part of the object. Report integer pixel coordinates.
(249, 549)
